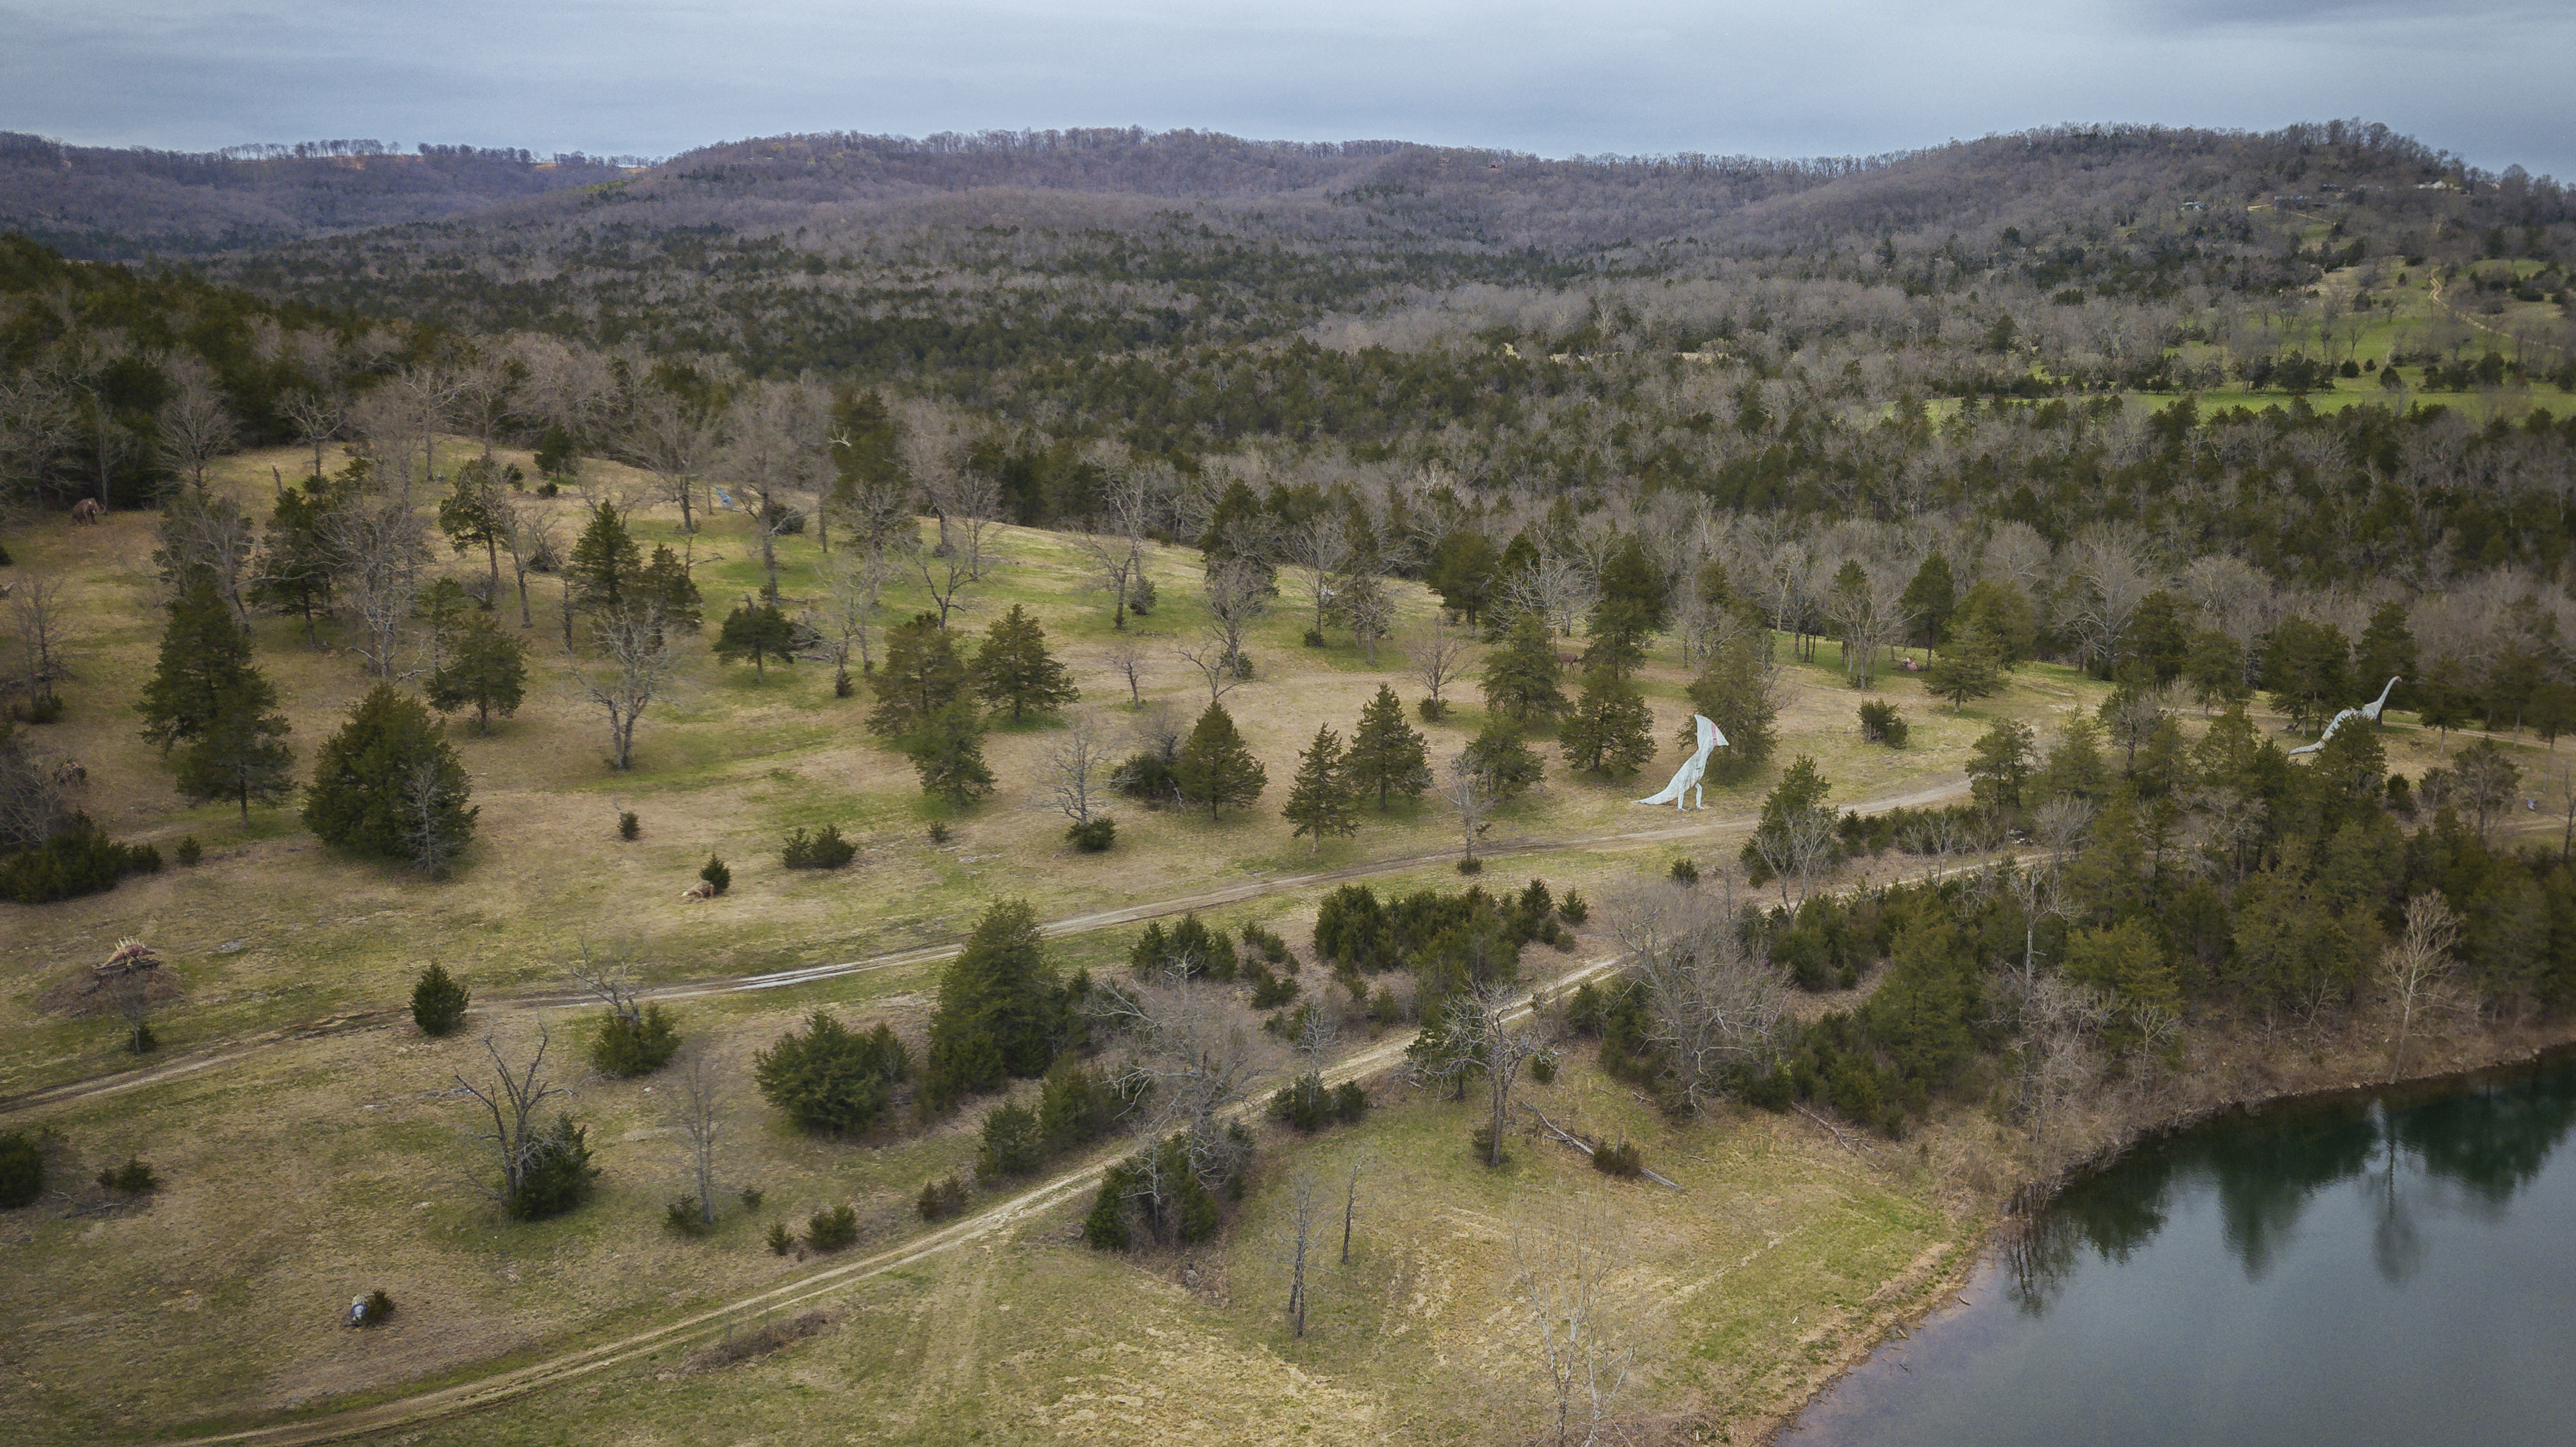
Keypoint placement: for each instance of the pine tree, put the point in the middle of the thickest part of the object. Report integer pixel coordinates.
(1968, 668)
(1000, 1011)
(1463, 570)
(757, 631)
(2387, 650)
(205, 654)
(1216, 767)
(1319, 800)
(665, 585)
(1738, 694)
(297, 564)
(1521, 676)
(1013, 669)
(437, 1001)
(486, 666)
(1611, 730)
(389, 784)
(947, 751)
(922, 674)
(605, 564)
(474, 515)
(240, 754)
(1388, 756)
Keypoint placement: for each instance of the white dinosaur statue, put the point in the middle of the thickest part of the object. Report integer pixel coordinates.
(2368, 711)
(1686, 778)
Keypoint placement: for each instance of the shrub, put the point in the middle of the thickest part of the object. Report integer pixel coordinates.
(682, 1215)
(80, 860)
(1013, 1145)
(1685, 872)
(1302, 1104)
(1093, 836)
(824, 849)
(831, 1229)
(1483, 1140)
(559, 1174)
(1573, 909)
(628, 826)
(1624, 1160)
(437, 1001)
(1542, 1067)
(1272, 947)
(1471, 866)
(940, 833)
(378, 1310)
(1432, 710)
(1146, 776)
(1269, 991)
(717, 877)
(1350, 1101)
(22, 1170)
(781, 1240)
(1077, 1106)
(45, 710)
(189, 850)
(750, 1196)
(831, 1077)
(133, 1178)
(631, 1045)
(941, 1199)
(1313, 638)
(1880, 723)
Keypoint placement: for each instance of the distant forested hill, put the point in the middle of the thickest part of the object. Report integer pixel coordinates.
(98, 202)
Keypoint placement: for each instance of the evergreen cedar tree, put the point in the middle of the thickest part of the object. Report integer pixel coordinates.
(1504, 759)
(758, 631)
(1632, 609)
(1969, 667)
(486, 667)
(609, 574)
(1388, 757)
(1611, 730)
(2004, 611)
(921, 675)
(438, 1001)
(558, 1175)
(831, 1078)
(297, 564)
(205, 659)
(1001, 1012)
(1520, 679)
(1216, 767)
(1462, 572)
(947, 751)
(1014, 671)
(361, 798)
(1319, 799)
(1734, 690)
(473, 515)
(1931, 598)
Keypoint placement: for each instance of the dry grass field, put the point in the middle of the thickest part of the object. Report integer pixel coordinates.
(323, 1164)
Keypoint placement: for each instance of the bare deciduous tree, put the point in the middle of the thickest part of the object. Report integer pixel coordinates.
(1077, 764)
(697, 1113)
(379, 547)
(1322, 546)
(1127, 660)
(1470, 790)
(1561, 1277)
(1351, 1201)
(1713, 1007)
(2417, 968)
(513, 1096)
(853, 585)
(675, 440)
(635, 664)
(195, 427)
(317, 417)
(1439, 659)
(776, 450)
(1305, 1208)
(1555, 586)
(36, 615)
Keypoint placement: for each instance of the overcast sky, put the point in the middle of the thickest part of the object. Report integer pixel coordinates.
(2488, 79)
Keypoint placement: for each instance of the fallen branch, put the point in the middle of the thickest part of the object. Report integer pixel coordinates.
(1580, 1144)
(1841, 1138)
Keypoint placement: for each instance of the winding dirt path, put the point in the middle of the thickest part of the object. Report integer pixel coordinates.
(1939, 789)
(441, 1403)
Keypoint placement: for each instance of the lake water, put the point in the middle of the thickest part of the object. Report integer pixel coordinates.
(2398, 1268)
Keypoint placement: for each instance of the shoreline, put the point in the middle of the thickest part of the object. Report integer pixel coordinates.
(2441, 1059)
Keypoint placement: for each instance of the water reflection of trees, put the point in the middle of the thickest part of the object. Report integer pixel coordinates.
(2492, 1140)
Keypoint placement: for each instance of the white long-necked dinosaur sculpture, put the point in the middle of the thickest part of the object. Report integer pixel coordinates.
(2368, 711)
(1686, 778)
